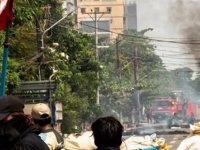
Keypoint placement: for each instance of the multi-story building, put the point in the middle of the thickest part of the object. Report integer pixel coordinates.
(104, 18)
(68, 6)
(131, 14)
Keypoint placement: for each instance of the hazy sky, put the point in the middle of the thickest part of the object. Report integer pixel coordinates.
(172, 20)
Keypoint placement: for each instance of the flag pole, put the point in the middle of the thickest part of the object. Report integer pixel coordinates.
(4, 63)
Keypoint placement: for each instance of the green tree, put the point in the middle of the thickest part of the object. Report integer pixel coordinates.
(72, 63)
(118, 90)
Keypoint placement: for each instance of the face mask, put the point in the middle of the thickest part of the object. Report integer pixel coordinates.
(11, 122)
(7, 132)
(10, 137)
(18, 123)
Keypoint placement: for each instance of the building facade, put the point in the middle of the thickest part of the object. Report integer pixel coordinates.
(131, 14)
(69, 6)
(103, 18)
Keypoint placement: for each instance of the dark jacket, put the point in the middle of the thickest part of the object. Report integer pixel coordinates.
(31, 141)
(16, 135)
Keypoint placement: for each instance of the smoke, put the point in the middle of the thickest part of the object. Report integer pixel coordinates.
(185, 15)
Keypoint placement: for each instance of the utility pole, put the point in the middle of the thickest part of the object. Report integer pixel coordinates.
(136, 80)
(97, 53)
(118, 72)
(118, 67)
(40, 35)
(96, 19)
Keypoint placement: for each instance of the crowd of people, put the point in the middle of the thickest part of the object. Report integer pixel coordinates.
(19, 131)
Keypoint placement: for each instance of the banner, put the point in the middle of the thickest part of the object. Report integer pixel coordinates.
(6, 13)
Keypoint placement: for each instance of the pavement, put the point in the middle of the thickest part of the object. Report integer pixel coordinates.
(161, 128)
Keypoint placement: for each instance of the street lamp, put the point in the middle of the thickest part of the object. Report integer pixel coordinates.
(45, 31)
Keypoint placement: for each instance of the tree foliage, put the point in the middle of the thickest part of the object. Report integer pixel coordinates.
(118, 78)
(72, 64)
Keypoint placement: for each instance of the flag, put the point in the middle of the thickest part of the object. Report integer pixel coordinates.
(6, 13)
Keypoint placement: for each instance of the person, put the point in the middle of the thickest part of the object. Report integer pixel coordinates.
(149, 115)
(191, 119)
(174, 121)
(192, 142)
(41, 115)
(107, 132)
(17, 131)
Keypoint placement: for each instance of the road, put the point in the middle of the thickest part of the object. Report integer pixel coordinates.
(173, 140)
(173, 136)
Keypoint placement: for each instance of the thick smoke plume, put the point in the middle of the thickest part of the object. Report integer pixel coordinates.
(185, 14)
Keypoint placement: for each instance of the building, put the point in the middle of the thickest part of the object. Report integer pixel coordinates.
(131, 14)
(103, 18)
(69, 6)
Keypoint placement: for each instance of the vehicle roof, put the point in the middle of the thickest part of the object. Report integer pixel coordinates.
(164, 99)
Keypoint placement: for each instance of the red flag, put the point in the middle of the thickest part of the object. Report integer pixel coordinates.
(6, 13)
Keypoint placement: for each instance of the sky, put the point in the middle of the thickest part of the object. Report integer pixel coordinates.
(177, 21)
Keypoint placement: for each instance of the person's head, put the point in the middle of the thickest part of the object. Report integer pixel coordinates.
(12, 114)
(41, 114)
(10, 107)
(107, 132)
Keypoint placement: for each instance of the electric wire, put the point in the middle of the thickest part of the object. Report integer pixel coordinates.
(148, 39)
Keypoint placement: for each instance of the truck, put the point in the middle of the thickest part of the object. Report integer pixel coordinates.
(165, 109)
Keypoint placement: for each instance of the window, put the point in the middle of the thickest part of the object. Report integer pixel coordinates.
(83, 10)
(104, 39)
(96, 9)
(163, 104)
(109, 9)
(103, 26)
(89, 26)
(103, 32)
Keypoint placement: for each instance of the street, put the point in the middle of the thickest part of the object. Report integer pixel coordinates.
(172, 136)
(173, 140)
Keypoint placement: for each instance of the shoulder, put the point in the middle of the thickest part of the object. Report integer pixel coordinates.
(52, 133)
(50, 139)
(33, 142)
(47, 135)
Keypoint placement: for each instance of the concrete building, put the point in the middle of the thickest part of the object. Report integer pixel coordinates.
(105, 15)
(131, 14)
(67, 5)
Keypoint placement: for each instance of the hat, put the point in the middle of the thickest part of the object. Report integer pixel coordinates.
(10, 104)
(41, 111)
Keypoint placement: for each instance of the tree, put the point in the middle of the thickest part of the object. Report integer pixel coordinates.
(72, 64)
(118, 90)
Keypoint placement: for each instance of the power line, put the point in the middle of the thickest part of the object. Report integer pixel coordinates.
(192, 41)
(147, 38)
(179, 58)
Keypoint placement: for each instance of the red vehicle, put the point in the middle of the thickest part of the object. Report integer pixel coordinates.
(164, 108)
